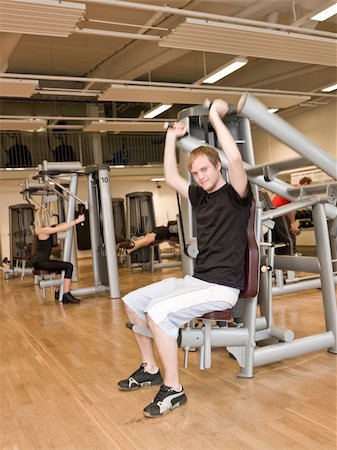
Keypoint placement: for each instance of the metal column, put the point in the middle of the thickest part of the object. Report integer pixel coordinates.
(327, 281)
(109, 231)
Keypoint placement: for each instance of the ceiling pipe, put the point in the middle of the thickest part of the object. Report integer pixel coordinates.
(209, 16)
(145, 84)
(144, 37)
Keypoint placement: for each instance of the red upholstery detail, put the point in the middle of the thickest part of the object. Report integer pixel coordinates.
(225, 314)
(252, 259)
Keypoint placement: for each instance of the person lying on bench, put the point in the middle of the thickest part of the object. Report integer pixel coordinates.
(156, 236)
(222, 212)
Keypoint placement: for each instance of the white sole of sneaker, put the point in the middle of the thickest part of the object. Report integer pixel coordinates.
(181, 403)
(138, 386)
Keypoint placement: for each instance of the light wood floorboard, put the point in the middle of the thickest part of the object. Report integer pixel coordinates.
(60, 365)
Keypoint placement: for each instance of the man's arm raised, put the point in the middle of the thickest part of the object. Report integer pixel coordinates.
(237, 175)
(172, 175)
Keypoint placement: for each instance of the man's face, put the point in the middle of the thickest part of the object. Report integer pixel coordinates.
(205, 174)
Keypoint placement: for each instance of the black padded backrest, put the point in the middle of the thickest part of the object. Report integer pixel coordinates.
(252, 258)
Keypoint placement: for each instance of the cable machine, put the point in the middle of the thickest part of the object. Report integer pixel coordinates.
(102, 236)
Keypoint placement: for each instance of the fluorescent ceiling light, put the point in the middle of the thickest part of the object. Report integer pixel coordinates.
(330, 88)
(157, 110)
(64, 127)
(157, 179)
(326, 13)
(272, 110)
(229, 68)
(68, 92)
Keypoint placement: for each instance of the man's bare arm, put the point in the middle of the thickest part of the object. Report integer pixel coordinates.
(237, 175)
(172, 175)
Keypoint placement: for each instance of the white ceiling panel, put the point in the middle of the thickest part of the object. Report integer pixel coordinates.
(17, 88)
(216, 37)
(22, 125)
(40, 17)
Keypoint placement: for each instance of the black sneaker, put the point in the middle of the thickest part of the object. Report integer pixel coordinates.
(68, 298)
(127, 244)
(140, 378)
(166, 400)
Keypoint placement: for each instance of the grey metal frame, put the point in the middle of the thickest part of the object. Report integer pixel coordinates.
(103, 247)
(70, 171)
(242, 343)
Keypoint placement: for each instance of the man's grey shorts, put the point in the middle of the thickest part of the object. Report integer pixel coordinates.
(172, 302)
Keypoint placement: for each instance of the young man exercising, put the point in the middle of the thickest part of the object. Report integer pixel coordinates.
(222, 212)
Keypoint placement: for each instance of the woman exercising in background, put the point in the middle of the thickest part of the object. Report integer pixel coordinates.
(44, 243)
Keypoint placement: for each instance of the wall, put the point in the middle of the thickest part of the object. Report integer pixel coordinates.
(318, 124)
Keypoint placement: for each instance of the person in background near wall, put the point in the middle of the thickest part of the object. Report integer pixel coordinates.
(44, 243)
(278, 200)
(121, 157)
(222, 212)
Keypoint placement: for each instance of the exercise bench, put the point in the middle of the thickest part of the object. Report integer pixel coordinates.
(251, 289)
(41, 275)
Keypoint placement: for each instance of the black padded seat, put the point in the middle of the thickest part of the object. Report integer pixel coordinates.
(42, 275)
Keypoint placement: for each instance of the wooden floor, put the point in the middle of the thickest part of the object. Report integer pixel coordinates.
(60, 365)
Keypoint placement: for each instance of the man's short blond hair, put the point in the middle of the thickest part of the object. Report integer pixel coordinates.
(204, 150)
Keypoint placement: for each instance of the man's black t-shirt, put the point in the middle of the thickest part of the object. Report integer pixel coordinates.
(222, 219)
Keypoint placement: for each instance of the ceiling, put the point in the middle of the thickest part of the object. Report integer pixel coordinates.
(117, 59)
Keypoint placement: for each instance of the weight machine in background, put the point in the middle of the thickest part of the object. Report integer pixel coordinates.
(102, 236)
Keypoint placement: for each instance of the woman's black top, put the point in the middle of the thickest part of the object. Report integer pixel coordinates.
(43, 249)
